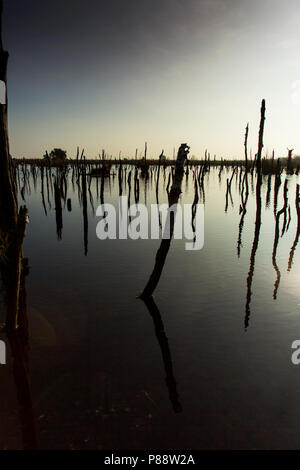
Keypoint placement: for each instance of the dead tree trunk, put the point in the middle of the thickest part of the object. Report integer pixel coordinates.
(246, 147)
(166, 242)
(261, 135)
(12, 224)
(258, 215)
(8, 193)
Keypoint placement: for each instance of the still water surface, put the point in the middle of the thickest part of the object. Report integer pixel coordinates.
(206, 365)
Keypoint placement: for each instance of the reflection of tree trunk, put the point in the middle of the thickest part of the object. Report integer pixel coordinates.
(166, 242)
(14, 268)
(136, 186)
(228, 191)
(18, 340)
(157, 180)
(268, 195)
(245, 188)
(254, 249)
(42, 189)
(85, 213)
(58, 209)
(194, 208)
(120, 178)
(165, 351)
(102, 188)
(292, 252)
(277, 184)
(129, 190)
(258, 216)
(276, 238)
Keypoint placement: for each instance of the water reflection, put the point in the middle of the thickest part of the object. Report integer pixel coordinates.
(253, 251)
(243, 210)
(293, 249)
(72, 194)
(54, 183)
(258, 216)
(84, 210)
(283, 212)
(165, 352)
(153, 281)
(14, 270)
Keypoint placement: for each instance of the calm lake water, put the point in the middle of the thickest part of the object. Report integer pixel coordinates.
(206, 366)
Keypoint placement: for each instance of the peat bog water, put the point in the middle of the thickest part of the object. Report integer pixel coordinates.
(206, 366)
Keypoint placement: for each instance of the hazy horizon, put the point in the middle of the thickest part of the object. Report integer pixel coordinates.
(114, 75)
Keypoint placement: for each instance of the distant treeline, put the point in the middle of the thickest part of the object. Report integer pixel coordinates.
(267, 163)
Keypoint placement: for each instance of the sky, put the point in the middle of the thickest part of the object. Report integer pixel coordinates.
(114, 74)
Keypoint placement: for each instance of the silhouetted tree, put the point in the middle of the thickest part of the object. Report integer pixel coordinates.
(58, 155)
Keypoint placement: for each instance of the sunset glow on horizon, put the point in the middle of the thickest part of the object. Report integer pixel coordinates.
(113, 75)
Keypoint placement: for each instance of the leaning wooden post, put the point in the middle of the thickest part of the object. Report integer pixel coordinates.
(166, 242)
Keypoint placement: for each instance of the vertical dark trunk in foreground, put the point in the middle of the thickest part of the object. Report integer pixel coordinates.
(12, 224)
(258, 213)
(13, 269)
(8, 197)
